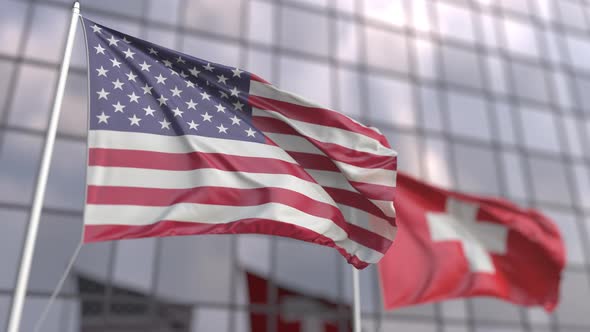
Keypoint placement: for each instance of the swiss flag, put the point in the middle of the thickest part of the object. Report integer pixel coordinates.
(456, 245)
(298, 312)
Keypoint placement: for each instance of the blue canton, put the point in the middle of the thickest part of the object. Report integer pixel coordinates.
(137, 86)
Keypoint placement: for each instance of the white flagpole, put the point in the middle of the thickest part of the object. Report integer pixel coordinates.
(29, 248)
(356, 295)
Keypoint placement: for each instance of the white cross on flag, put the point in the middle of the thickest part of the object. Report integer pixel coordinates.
(456, 245)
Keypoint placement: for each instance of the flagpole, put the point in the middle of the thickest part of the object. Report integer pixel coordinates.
(356, 306)
(36, 209)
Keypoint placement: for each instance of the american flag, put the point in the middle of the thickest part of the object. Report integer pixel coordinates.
(181, 146)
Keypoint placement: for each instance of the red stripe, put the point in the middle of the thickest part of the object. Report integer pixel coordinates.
(234, 197)
(357, 200)
(95, 233)
(258, 78)
(333, 151)
(316, 115)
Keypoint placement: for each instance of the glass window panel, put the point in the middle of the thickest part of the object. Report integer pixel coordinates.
(214, 51)
(455, 308)
(65, 187)
(94, 260)
(393, 325)
(254, 253)
(119, 7)
(504, 125)
(295, 76)
(579, 51)
(48, 32)
(260, 63)
(431, 112)
(207, 276)
(496, 70)
(316, 3)
(583, 91)
(421, 15)
(521, 37)
(78, 59)
(391, 101)
(304, 31)
(163, 11)
(12, 233)
(4, 308)
(347, 6)
(574, 140)
(436, 160)
(12, 17)
(575, 292)
(455, 22)
(166, 38)
(520, 6)
(33, 308)
(540, 131)
(350, 99)
(260, 21)
(75, 105)
(387, 49)
(387, 11)
(347, 40)
(549, 181)
(496, 329)
(406, 146)
(210, 319)
(427, 59)
(537, 315)
(486, 309)
(554, 51)
(219, 17)
(582, 184)
(456, 329)
(368, 287)
(134, 261)
(546, 9)
(530, 82)
(33, 97)
(513, 172)
(476, 170)
(424, 310)
(18, 167)
(564, 96)
(6, 69)
(489, 23)
(461, 67)
(468, 116)
(572, 14)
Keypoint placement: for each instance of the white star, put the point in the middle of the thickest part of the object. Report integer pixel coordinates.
(145, 66)
(167, 63)
(250, 132)
(222, 129)
(191, 104)
(237, 72)
(180, 60)
(134, 120)
(192, 125)
(99, 49)
(152, 51)
(189, 84)
(147, 89)
(133, 98)
(206, 117)
(209, 67)
(165, 124)
(234, 91)
(102, 72)
(118, 84)
(194, 71)
(113, 41)
(115, 63)
(129, 53)
(220, 108)
(161, 79)
(126, 40)
(205, 96)
(103, 118)
(149, 111)
(235, 120)
(221, 79)
(118, 107)
(183, 74)
(96, 28)
(177, 112)
(162, 100)
(131, 76)
(102, 94)
(176, 92)
(173, 72)
(238, 106)
(223, 94)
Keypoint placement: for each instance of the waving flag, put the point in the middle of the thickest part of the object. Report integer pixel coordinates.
(180, 146)
(456, 245)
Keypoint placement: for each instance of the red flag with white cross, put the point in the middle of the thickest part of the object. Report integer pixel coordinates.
(456, 245)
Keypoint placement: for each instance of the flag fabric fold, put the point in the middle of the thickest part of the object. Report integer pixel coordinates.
(182, 146)
(456, 245)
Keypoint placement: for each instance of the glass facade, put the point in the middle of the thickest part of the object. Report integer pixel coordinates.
(487, 97)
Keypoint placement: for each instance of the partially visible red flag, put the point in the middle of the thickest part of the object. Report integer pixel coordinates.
(298, 312)
(456, 245)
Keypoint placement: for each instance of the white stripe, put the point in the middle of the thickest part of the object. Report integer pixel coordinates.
(331, 135)
(155, 178)
(182, 144)
(385, 206)
(218, 214)
(368, 221)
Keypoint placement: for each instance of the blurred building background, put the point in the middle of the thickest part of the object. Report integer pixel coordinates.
(484, 96)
